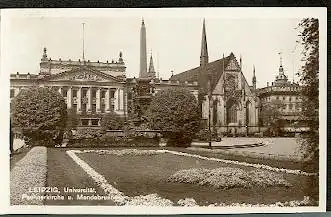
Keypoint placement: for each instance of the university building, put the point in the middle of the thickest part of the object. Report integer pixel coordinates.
(229, 104)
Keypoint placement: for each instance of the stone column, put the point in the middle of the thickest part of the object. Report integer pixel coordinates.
(69, 97)
(116, 100)
(79, 100)
(98, 100)
(90, 122)
(107, 101)
(89, 100)
(121, 99)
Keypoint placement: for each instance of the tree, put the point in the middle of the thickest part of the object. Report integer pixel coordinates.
(271, 116)
(111, 121)
(175, 113)
(41, 115)
(309, 35)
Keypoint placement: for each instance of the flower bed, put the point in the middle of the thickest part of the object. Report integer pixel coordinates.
(227, 177)
(157, 183)
(132, 152)
(30, 171)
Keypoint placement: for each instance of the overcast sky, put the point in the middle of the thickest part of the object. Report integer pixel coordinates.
(174, 41)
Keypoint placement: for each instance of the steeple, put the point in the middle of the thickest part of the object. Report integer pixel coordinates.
(254, 78)
(44, 54)
(204, 49)
(143, 52)
(151, 70)
(281, 78)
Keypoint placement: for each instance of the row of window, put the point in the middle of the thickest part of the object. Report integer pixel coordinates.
(94, 93)
(290, 98)
(94, 108)
(75, 92)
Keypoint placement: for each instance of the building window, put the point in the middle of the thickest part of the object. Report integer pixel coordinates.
(94, 108)
(103, 108)
(290, 106)
(95, 122)
(64, 92)
(94, 93)
(74, 93)
(277, 98)
(12, 93)
(103, 94)
(83, 108)
(74, 107)
(85, 122)
(231, 112)
(112, 94)
(113, 107)
(289, 98)
(84, 92)
(283, 97)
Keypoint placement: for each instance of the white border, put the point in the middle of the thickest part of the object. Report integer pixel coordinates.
(238, 13)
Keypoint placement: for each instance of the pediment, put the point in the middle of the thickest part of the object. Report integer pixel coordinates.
(83, 75)
(232, 66)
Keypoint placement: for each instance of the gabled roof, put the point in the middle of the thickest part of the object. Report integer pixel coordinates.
(215, 69)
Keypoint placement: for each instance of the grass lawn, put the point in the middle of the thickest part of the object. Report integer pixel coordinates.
(64, 172)
(147, 174)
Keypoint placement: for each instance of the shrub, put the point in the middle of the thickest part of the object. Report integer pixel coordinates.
(111, 121)
(175, 113)
(41, 114)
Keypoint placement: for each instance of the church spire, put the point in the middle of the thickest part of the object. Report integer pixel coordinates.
(204, 49)
(151, 70)
(254, 78)
(143, 52)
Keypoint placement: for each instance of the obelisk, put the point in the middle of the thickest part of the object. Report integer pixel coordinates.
(143, 52)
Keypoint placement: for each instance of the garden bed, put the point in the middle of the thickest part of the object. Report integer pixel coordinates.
(148, 174)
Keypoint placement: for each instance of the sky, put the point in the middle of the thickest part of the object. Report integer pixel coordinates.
(174, 41)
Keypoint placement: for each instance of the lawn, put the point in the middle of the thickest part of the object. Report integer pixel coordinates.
(148, 174)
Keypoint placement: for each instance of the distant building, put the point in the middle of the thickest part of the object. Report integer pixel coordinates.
(288, 95)
(90, 88)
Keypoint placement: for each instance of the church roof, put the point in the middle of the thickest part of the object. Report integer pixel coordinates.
(214, 68)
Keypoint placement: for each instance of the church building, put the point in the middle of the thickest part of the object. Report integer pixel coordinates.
(228, 103)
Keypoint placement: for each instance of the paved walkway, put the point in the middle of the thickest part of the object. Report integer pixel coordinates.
(286, 147)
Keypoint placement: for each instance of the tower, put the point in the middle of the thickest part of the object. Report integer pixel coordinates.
(254, 78)
(143, 52)
(204, 49)
(151, 70)
(44, 54)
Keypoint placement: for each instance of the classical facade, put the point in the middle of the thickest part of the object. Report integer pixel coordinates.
(228, 103)
(89, 88)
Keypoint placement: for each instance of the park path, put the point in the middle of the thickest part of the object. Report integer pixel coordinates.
(64, 172)
(284, 147)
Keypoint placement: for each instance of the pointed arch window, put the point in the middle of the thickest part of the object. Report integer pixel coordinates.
(231, 112)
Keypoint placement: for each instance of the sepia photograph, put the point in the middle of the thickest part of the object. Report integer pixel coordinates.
(208, 110)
